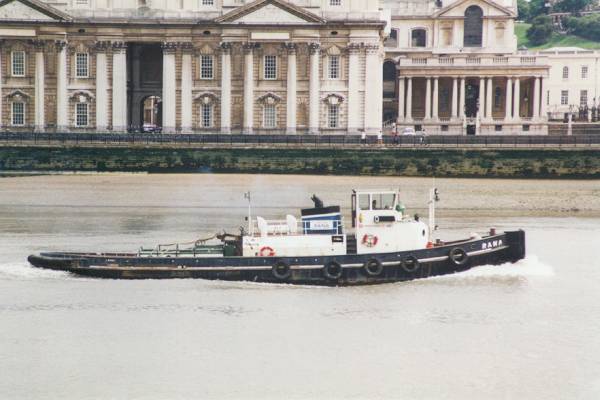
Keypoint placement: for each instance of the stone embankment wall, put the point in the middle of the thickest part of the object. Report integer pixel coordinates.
(507, 163)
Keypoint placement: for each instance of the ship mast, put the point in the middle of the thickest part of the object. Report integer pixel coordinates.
(433, 198)
(250, 224)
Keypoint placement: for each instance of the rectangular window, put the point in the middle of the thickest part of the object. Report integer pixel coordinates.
(82, 65)
(335, 2)
(269, 118)
(334, 67)
(333, 117)
(564, 97)
(206, 67)
(81, 114)
(206, 115)
(18, 63)
(583, 98)
(208, 2)
(270, 67)
(18, 114)
(584, 72)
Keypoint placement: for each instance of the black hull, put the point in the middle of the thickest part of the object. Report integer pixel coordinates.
(393, 267)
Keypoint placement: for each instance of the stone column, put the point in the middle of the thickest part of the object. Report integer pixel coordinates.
(543, 98)
(481, 109)
(119, 87)
(408, 99)
(536, 97)
(428, 99)
(434, 113)
(373, 88)
(463, 92)
(353, 87)
(62, 100)
(187, 83)
(169, 88)
(517, 97)
(225, 87)
(313, 89)
(40, 73)
(508, 104)
(489, 98)
(401, 96)
(454, 97)
(248, 88)
(291, 116)
(101, 86)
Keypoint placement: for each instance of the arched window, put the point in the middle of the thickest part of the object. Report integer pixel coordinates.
(565, 72)
(418, 38)
(473, 27)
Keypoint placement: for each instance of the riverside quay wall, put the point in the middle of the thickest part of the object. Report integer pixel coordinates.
(383, 161)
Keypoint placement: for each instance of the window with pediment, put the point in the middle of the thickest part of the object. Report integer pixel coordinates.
(473, 28)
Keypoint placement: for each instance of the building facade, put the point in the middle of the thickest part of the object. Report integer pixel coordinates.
(573, 81)
(267, 66)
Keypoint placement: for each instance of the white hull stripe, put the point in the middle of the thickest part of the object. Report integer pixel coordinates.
(265, 268)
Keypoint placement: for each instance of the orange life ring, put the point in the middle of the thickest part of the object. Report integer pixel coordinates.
(266, 251)
(370, 240)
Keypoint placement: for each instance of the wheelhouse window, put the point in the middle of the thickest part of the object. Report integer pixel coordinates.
(418, 38)
(18, 113)
(207, 115)
(334, 67)
(208, 2)
(269, 116)
(333, 117)
(81, 65)
(206, 67)
(335, 2)
(81, 114)
(382, 201)
(473, 27)
(18, 63)
(270, 67)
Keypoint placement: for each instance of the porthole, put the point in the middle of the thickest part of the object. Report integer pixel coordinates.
(206, 32)
(334, 33)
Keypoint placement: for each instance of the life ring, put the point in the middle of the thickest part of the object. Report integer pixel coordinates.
(410, 263)
(281, 270)
(458, 256)
(333, 270)
(373, 267)
(370, 240)
(266, 251)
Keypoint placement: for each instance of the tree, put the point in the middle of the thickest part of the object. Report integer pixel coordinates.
(587, 27)
(571, 6)
(523, 10)
(540, 30)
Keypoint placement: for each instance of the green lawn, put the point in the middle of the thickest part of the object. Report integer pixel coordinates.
(557, 40)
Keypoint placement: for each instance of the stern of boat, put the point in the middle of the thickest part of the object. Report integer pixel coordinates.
(516, 242)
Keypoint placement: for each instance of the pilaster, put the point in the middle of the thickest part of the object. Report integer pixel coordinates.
(314, 89)
(119, 87)
(101, 85)
(225, 87)
(62, 101)
(353, 87)
(40, 84)
(248, 87)
(291, 116)
(186, 88)
(169, 104)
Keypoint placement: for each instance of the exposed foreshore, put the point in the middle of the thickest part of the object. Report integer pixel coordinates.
(369, 160)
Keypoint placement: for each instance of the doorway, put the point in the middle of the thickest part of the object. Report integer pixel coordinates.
(151, 117)
(472, 99)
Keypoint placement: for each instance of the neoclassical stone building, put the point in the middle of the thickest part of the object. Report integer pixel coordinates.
(267, 66)
(452, 66)
(305, 66)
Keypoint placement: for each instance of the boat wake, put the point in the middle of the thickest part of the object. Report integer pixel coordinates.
(529, 267)
(25, 271)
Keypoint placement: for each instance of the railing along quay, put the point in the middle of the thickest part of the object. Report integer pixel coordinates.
(341, 141)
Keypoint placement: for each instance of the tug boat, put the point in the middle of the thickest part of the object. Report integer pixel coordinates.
(384, 245)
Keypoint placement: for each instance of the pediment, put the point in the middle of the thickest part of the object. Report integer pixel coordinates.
(270, 12)
(29, 10)
(489, 7)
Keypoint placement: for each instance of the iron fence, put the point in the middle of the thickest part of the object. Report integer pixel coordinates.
(231, 140)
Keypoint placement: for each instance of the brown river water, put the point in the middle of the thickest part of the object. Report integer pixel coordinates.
(525, 331)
